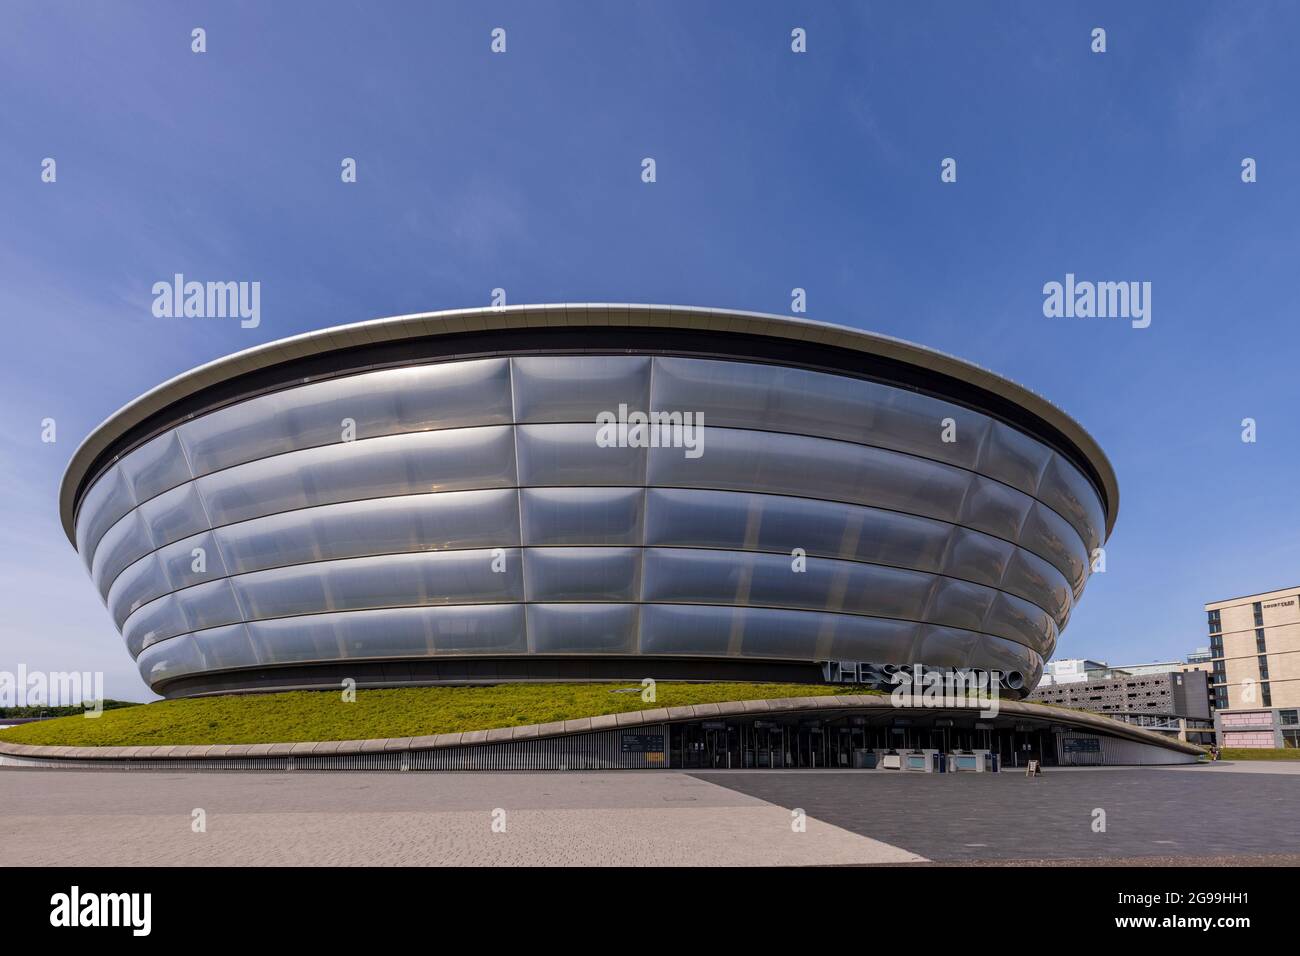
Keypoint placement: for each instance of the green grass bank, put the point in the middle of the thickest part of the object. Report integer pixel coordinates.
(402, 712)
(1259, 753)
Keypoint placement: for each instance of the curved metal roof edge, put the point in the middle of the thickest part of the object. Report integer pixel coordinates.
(1084, 720)
(424, 324)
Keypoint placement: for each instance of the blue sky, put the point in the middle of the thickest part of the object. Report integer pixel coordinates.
(775, 170)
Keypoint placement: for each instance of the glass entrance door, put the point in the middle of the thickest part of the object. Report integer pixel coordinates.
(769, 746)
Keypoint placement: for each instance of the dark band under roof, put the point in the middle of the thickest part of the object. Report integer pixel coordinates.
(577, 329)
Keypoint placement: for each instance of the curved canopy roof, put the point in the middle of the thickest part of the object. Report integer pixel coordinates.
(107, 438)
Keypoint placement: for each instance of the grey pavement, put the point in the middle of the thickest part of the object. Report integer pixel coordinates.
(648, 818)
(1283, 767)
(1163, 813)
(632, 818)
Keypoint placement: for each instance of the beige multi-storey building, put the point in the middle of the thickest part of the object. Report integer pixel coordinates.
(1255, 668)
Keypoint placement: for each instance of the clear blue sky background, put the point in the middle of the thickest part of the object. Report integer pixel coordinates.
(774, 171)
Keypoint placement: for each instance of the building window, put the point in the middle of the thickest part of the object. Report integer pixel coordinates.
(1265, 695)
(1259, 640)
(1263, 668)
(1288, 717)
(1259, 614)
(1215, 623)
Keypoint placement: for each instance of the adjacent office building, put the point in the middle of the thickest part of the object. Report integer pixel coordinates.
(1255, 668)
(1072, 671)
(1202, 660)
(1167, 697)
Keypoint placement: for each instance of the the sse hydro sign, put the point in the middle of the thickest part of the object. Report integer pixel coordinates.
(888, 677)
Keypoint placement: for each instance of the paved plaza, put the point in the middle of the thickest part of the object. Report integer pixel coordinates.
(1236, 813)
(1175, 813)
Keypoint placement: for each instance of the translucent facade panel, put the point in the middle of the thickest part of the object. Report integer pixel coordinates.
(156, 621)
(913, 423)
(167, 569)
(961, 604)
(747, 395)
(815, 468)
(209, 605)
(135, 587)
(1050, 536)
(415, 463)
(122, 544)
(570, 455)
(385, 402)
(582, 574)
(171, 659)
(213, 649)
(392, 632)
(720, 577)
(598, 516)
(757, 522)
(947, 647)
(224, 647)
(1013, 457)
(583, 628)
(898, 540)
(329, 637)
(772, 633)
(677, 576)
(574, 388)
(1006, 656)
(975, 556)
(255, 428)
(395, 580)
(174, 514)
(1006, 513)
(995, 508)
(1069, 494)
(104, 503)
(442, 521)
(156, 466)
(1034, 579)
(939, 646)
(799, 401)
(192, 560)
(1015, 619)
(715, 519)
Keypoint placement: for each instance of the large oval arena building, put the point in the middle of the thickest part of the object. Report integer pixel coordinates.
(577, 492)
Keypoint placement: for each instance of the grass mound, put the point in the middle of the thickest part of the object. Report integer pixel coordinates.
(1259, 753)
(401, 712)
